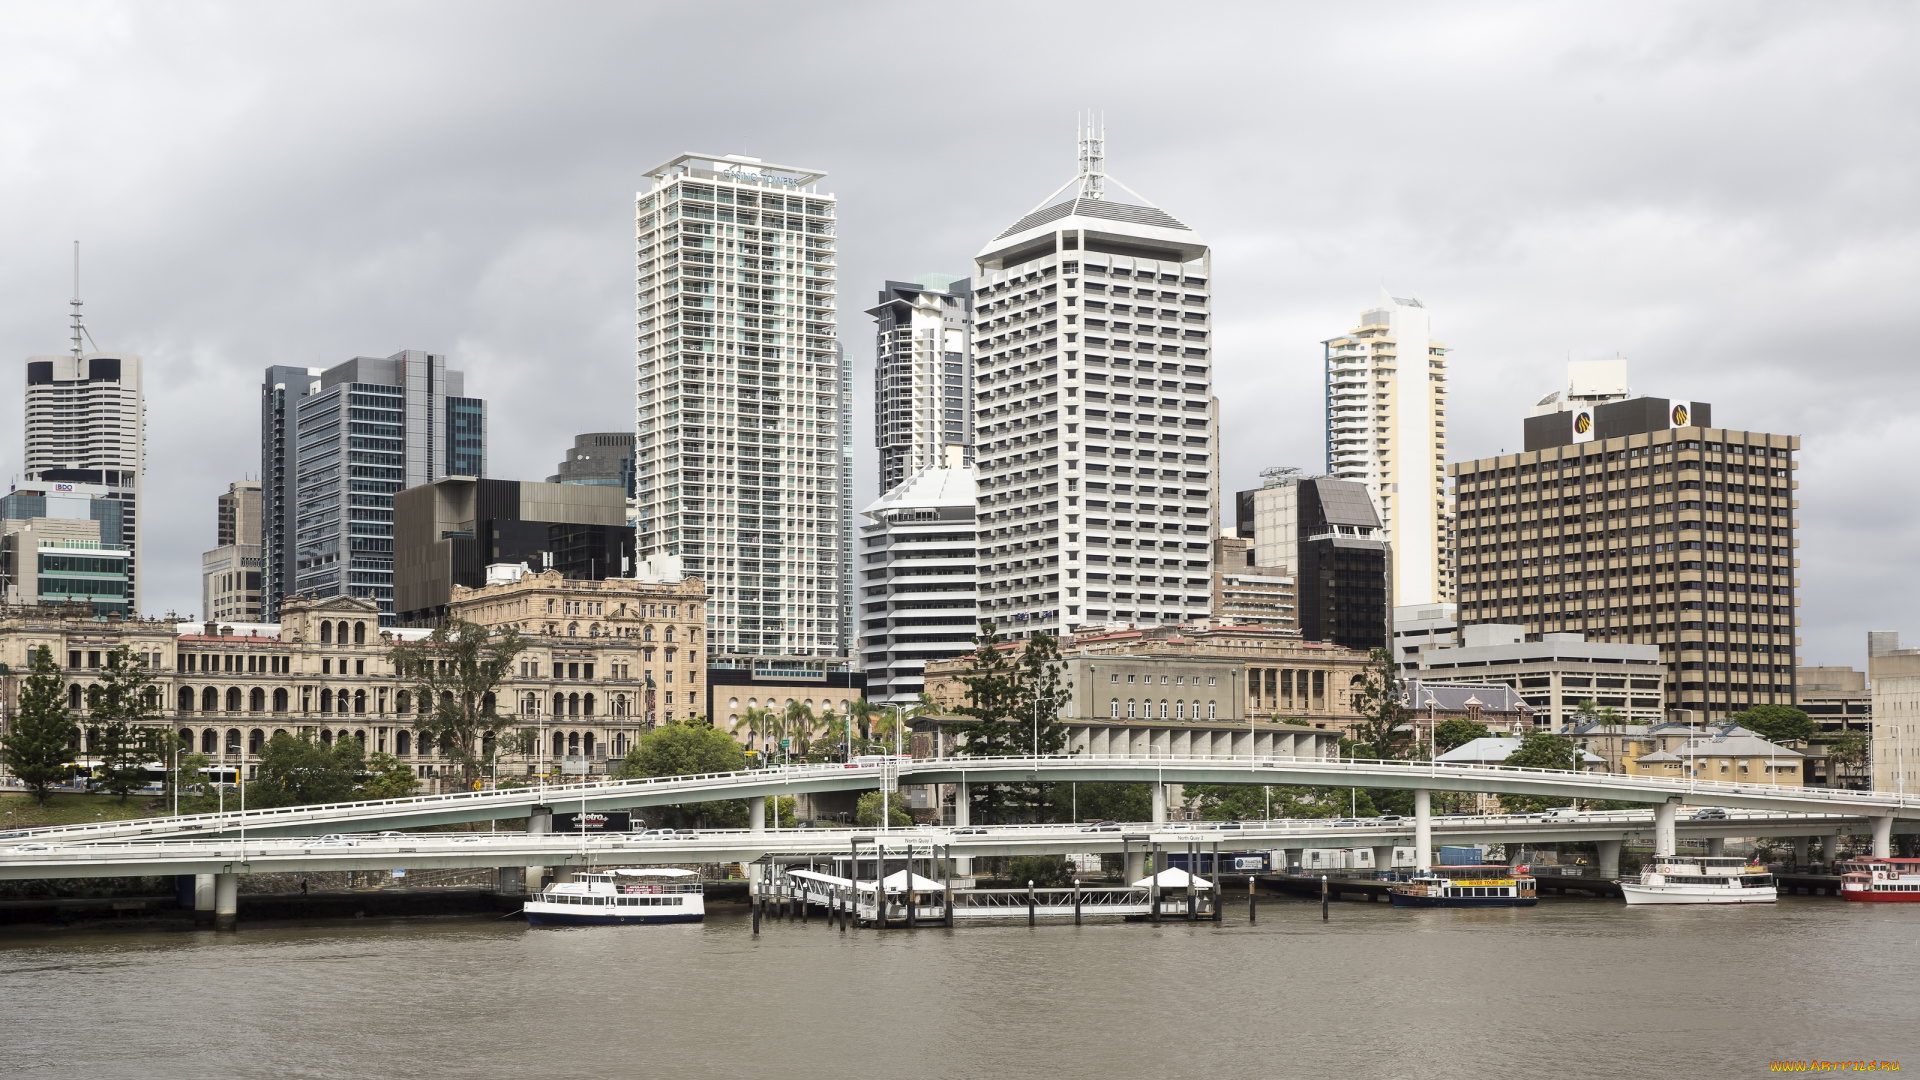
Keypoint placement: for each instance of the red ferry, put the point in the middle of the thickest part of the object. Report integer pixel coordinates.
(1881, 881)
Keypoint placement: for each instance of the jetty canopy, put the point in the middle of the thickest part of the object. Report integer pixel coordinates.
(1174, 878)
(815, 875)
(895, 881)
(655, 871)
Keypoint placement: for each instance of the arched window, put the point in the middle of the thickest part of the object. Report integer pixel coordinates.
(619, 704)
(326, 737)
(326, 633)
(345, 735)
(586, 705)
(593, 630)
(1163, 708)
(209, 700)
(573, 743)
(487, 701)
(186, 699)
(1129, 708)
(73, 697)
(233, 699)
(1213, 710)
(426, 745)
(186, 739)
(573, 629)
(233, 741)
(532, 706)
(360, 701)
(1113, 708)
(559, 704)
(326, 701)
(573, 704)
(256, 741)
(669, 633)
(402, 744)
(151, 696)
(586, 744)
(280, 699)
(559, 745)
(649, 634)
(359, 633)
(486, 745)
(343, 632)
(403, 702)
(209, 741)
(340, 702)
(361, 738)
(256, 700)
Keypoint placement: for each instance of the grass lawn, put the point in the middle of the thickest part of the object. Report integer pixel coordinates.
(18, 811)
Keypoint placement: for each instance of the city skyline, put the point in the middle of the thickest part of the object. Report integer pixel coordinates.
(1512, 310)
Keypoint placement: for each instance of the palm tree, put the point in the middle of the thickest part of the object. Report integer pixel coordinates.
(799, 722)
(862, 711)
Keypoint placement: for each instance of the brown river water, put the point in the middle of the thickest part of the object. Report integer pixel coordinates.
(1571, 988)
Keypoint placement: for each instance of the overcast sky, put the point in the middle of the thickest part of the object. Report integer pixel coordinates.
(1723, 194)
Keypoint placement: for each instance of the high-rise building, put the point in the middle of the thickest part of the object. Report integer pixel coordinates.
(742, 450)
(916, 598)
(367, 429)
(1638, 521)
(86, 424)
(1324, 537)
(231, 573)
(1110, 300)
(64, 543)
(1386, 390)
(922, 376)
(599, 459)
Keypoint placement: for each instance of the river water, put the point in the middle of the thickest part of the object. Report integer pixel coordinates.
(1571, 988)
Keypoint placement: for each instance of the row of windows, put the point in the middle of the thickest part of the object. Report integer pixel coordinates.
(1179, 710)
(1178, 680)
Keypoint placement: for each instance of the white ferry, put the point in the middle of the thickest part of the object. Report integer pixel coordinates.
(1700, 879)
(610, 897)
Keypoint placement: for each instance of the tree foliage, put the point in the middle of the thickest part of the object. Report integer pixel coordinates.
(1103, 800)
(121, 737)
(299, 769)
(38, 746)
(682, 748)
(1378, 733)
(1013, 708)
(455, 673)
(866, 811)
(1456, 732)
(1540, 750)
(1251, 802)
(1777, 723)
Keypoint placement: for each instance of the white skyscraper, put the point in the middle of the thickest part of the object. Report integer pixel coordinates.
(1093, 381)
(741, 456)
(1386, 391)
(87, 424)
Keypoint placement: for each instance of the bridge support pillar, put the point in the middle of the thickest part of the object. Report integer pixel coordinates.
(1883, 837)
(1383, 859)
(562, 874)
(1665, 838)
(757, 814)
(1716, 845)
(203, 899)
(1801, 845)
(226, 901)
(1423, 828)
(539, 823)
(962, 815)
(511, 880)
(1829, 848)
(1609, 858)
(1136, 865)
(1159, 804)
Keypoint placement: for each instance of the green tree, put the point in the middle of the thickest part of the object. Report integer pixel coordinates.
(38, 745)
(387, 777)
(1100, 800)
(1777, 723)
(297, 770)
(121, 710)
(455, 673)
(1045, 871)
(1379, 731)
(866, 811)
(1013, 708)
(1540, 750)
(684, 748)
(1588, 712)
(1850, 749)
(1453, 733)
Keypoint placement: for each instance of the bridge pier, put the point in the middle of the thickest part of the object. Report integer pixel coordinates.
(1383, 858)
(203, 899)
(757, 814)
(510, 880)
(226, 901)
(962, 815)
(1665, 838)
(1716, 845)
(1609, 851)
(1830, 848)
(1159, 804)
(1883, 837)
(1800, 846)
(1422, 829)
(539, 823)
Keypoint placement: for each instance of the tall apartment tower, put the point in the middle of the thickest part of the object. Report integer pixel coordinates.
(1638, 521)
(86, 423)
(1386, 390)
(916, 599)
(1095, 304)
(742, 451)
(923, 376)
(367, 429)
(232, 572)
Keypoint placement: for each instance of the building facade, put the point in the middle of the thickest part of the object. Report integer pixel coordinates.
(923, 376)
(1650, 529)
(232, 572)
(599, 459)
(86, 424)
(1555, 675)
(742, 447)
(62, 543)
(336, 448)
(916, 599)
(1105, 306)
(1386, 392)
(1894, 675)
(1249, 595)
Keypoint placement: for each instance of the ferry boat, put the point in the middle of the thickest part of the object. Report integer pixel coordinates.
(1700, 879)
(1882, 881)
(1468, 886)
(618, 897)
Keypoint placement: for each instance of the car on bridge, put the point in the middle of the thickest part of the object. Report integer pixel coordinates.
(1102, 826)
(1710, 813)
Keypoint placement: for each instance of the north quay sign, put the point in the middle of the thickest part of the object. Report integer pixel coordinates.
(738, 174)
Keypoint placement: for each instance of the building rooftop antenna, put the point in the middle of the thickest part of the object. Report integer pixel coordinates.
(1093, 156)
(77, 328)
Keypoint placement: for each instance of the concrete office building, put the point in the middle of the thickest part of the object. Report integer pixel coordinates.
(1249, 595)
(1555, 674)
(1111, 300)
(599, 458)
(1893, 673)
(742, 448)
(1386, 392)
(62, 544)
(367, 429)
(923, 376)
(1637, 521)
(1417, 626)
(447, 533)
(916, 600)
(86, 425)
(231, 573)
(1325, 535)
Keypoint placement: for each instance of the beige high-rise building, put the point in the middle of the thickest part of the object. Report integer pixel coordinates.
(1386, 387)
(1637, 521)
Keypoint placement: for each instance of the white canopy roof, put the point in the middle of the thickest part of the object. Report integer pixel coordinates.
(655, 871)
(897, 880)
(1175, 878)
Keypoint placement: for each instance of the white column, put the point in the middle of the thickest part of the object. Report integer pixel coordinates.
(203, 899)
(1717, 845)
(1609, 858)
(1883, 837)
(1423, 828)
(757, 814)
(226, 901)
(539, 823)
(962, 815)
(1159, 803)
(1664, 837)
(1383, 858)
(1800, 850)
(1829, 848)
